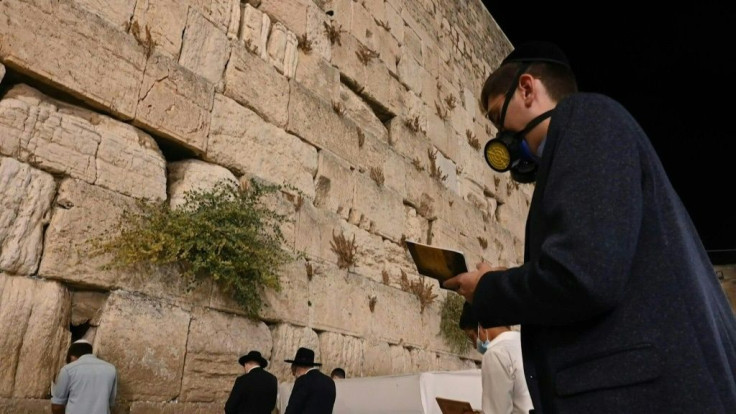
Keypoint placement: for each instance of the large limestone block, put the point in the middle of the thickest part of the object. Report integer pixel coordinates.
(241, 140)
(253, 82)
(335, 185)
(291, 303)
(423, 361)
(26, 195)
(34, 321)
(316, 34)
(377, 207)
(410, 72)
(376, 361)
(360, 112)
(447, 362)
(118, 13)
(87, 307)
(292, 13)
(400, 360)
(147, 407)
(395, 22)
(146, 340)
(175, 103)
(194, 175)
(164, 20)
(341, 351)
(255, 27)
(83, 213)
(224, 13)
(69, 140)
(216, 341)
(286, 340)
(345, 58)
(318, 76)
(347, 311)
(205, 48)
(29, 27)
(318, 123)
(512, 214)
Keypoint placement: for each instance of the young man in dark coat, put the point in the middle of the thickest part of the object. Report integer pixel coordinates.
(255, 391)
(313, 392)
(620, 307)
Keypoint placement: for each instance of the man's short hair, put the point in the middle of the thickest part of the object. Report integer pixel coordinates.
(338, 372)
(78, 349)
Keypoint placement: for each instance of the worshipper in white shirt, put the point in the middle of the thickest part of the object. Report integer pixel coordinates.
(502, 371)
(85, 384)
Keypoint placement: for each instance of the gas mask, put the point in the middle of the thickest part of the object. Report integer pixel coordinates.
(509, 151)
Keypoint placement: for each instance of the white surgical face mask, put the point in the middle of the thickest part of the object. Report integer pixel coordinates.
(482, 347)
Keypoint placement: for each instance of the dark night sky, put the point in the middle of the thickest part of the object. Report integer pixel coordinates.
(672, 69)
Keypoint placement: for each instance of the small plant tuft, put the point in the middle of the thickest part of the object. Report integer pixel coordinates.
(377, 175)
(472, 139)
(417, 164)
(451, 101)
(383, 24)
(226, 234)
(339, 107)
(422, 291)
(483, 242)
(345, 249)
(372, 302)
(435, 171)
(304, 44)
(441, 111)
(361, 138)
(385, 277)
(312, 270)
(333, 32)
(414, 124)
(365, 55)
(452, 308)
(144, 40)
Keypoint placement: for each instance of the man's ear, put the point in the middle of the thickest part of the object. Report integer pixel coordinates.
(528, 86)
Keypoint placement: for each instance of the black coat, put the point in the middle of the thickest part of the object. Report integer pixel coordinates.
(313, 393)
(620, 307)
(253, 393)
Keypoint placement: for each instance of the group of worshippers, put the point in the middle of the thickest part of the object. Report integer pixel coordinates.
(255, 391)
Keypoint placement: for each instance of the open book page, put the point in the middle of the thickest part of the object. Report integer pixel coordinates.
(436, 262)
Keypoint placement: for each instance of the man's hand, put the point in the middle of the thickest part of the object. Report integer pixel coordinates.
(465, 283)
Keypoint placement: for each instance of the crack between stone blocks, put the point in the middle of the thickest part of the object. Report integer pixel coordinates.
(186, 355)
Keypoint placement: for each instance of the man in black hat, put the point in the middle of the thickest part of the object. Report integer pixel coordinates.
(255, 391)
(313, 392)
(620, 308)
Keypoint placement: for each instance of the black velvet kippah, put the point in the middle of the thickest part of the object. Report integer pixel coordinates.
(538, 51)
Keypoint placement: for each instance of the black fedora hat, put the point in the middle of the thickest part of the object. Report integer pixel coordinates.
(253, 356)
(304, 357)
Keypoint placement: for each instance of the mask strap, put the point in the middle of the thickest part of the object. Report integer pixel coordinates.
(510, 93)
(536, 121)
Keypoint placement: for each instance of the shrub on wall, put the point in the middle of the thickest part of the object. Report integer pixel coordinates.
(452, 307)
(225, 233)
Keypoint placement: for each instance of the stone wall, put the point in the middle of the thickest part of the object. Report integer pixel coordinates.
(98, 97)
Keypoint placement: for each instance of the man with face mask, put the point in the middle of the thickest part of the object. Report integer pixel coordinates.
(619, 306)
(502, 372)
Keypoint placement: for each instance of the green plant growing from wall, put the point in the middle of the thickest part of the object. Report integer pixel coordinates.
(225, 233)
(450, 330)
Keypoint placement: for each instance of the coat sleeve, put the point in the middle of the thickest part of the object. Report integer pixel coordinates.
(298, 397)
(587, 221)
(236, 395)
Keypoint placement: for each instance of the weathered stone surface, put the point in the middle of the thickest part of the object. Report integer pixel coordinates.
(254, 29)
(74, 141)
(410, 72)
(395, 22)
(360, 112)
(316, 34)
(26, 195)
(25, 406)
(195, 175)
(164, 20)
(205, 48)
(224, 13)
(87, 307)
(175, 103)
(400, 360)
(34, 318)
(423, 361)
(349, 312)
(334, 185)
(379, 207)
(276, 48)
(286, 340)
(254, 83)
(291, 303)
(146, 340)
(118, 13)
(318, 76)
(216, 341)
(292, 13)
(82, 212)
(243, 141)
(30, 27)
(147, 407)
(341, 351)
(376, 361)
(452, 363)
(291, 55)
